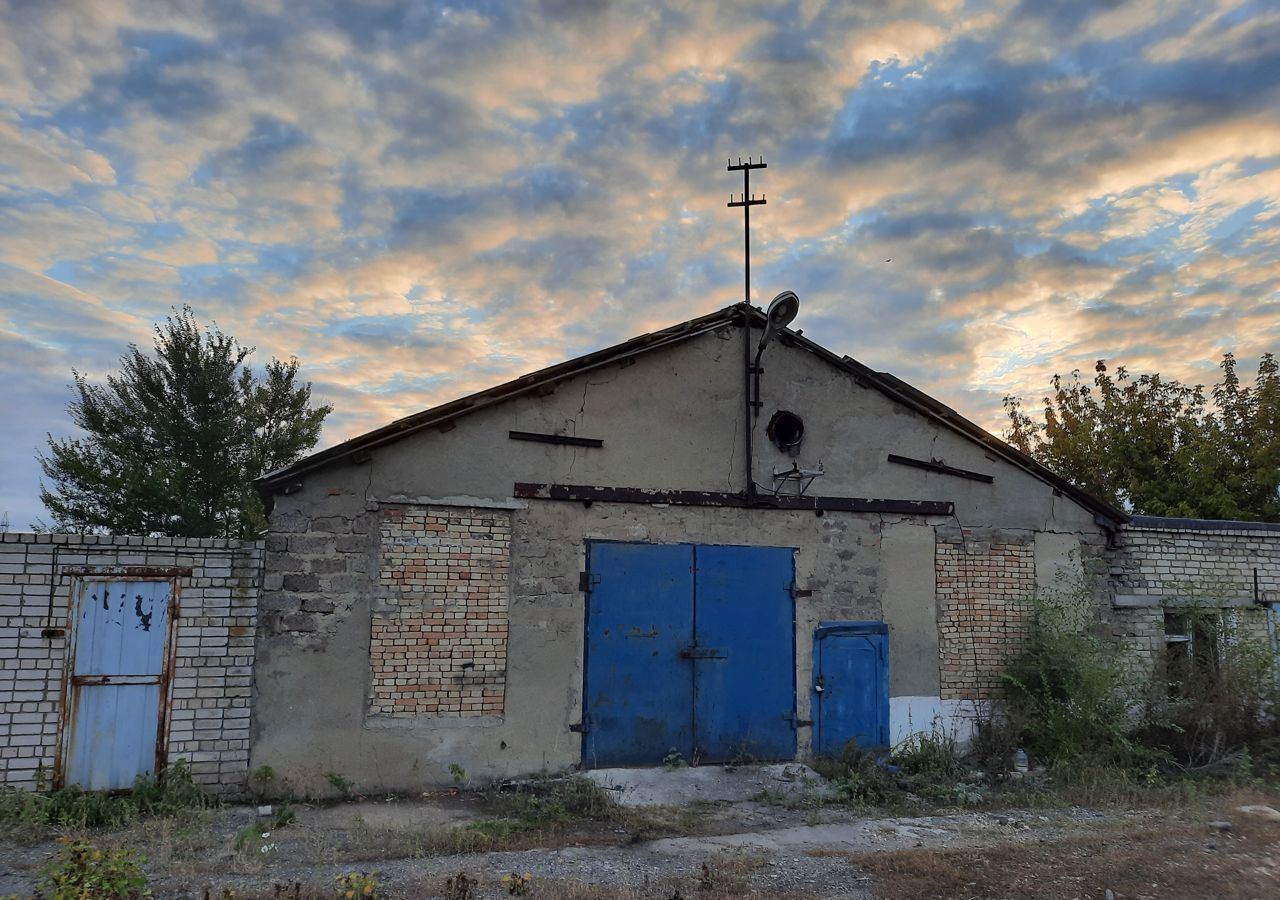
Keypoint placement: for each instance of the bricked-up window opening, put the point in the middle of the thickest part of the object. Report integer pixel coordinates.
(438, 639)
(985, 586)
(1192, 649)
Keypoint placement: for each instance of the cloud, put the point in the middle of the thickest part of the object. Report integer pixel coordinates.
(393, 192)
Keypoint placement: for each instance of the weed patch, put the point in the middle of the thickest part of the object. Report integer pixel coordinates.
(171, 792)
(81, 870)
(1183, 862)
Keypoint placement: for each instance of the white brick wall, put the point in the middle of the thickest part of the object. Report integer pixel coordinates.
(1157, 567)
(208, 722)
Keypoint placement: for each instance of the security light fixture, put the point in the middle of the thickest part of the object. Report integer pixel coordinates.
(782, 311)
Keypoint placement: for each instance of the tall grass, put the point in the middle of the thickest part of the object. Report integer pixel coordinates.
(164, 795)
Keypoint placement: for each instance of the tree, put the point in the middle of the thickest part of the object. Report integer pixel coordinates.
(174, 441)
(1159, 447)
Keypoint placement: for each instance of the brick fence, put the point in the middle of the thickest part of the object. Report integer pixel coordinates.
(1163, 564)
(208, 718)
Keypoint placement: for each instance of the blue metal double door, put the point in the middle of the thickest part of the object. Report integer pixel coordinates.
(689, 649)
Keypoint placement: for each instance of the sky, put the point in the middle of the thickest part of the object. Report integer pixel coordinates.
(420, 200)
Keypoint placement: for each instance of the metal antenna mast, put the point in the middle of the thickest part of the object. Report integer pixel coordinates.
(746, 201)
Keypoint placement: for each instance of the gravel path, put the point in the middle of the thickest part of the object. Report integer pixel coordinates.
(805, 859)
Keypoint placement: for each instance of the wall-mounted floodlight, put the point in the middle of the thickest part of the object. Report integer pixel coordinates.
(781, 313)
(782, 310)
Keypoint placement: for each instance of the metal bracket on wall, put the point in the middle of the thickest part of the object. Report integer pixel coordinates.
(587, 581)
(566, 439)
(941, 468)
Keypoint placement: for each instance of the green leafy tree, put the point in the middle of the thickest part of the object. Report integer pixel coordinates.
(173, 441)
(1158, 447)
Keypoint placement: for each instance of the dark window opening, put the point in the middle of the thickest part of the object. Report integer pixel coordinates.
(1192, 649)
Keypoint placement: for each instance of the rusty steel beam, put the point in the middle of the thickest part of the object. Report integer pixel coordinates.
(567, 439)
(941, 468)
(585, 493)
(128, 572)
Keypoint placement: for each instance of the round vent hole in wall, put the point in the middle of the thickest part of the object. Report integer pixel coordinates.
(786, 430)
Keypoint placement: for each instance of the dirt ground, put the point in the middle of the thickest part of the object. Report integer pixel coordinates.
(791, 846)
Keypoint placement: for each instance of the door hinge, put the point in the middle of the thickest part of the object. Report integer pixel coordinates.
(798, 722)
(587, 581)
(579, 727)
(796, 592)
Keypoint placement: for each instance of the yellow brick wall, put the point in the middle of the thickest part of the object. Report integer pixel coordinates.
(985, 590)
(438, 643)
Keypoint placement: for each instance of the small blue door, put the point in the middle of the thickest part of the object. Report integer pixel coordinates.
(850, 685)
(120, 640)
(688, 648)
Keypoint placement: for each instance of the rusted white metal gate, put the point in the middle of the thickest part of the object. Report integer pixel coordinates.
(117, 680)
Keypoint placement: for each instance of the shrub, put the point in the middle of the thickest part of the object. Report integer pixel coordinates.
(169, 792)
(932, 755)
(1068, 692)
(1219, 709)
(858, 777)
(80, 870)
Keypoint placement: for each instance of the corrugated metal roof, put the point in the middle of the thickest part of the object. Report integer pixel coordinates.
(892, 387)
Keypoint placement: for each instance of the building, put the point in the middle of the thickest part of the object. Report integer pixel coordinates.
(571, 568)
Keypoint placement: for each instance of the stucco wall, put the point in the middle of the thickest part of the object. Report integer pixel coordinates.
(673, 420)
(208, 719)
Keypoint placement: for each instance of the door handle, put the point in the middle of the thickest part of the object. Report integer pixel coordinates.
(702, 653)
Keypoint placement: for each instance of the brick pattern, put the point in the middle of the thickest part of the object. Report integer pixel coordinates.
(208, 722)
(985, 589)
(1175, 566)
(1190, 563)
(438, 645)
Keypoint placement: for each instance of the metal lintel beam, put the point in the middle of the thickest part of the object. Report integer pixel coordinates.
(127, 572)
(585, 493)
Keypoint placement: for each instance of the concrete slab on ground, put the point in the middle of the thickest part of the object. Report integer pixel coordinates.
(399, 813)
(711, 784)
